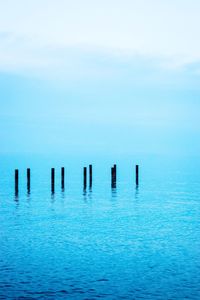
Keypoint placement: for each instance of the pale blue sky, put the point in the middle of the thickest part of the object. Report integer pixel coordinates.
(100, 76)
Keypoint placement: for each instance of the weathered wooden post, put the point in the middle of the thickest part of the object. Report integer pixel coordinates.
(28, 180)
(16, 181)
(52, 180)
(62, 178)
(137, 174)
(85, 178)
(115, 172)
(90, 175)
(113, 176)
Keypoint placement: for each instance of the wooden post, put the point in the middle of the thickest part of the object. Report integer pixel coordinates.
(84, 177)
(62, 178)
(90, 174)
(137, 174)
(115, 172)
(112, 174)
(16, 181)
(28, 180)
(113, 177)
(52, 180)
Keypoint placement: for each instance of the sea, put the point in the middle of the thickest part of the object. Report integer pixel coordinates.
(100, 242)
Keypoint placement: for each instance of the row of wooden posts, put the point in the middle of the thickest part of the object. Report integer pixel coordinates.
(113, 178)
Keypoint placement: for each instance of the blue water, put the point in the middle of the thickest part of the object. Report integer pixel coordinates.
(125, 243)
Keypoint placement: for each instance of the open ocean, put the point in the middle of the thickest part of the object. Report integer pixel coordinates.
(125, 243)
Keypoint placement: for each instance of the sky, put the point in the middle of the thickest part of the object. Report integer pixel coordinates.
(100, 77)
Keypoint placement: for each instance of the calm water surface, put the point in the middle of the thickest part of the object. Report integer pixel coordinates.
(125, 243)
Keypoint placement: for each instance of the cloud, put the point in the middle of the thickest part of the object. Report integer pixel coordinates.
(45, 34)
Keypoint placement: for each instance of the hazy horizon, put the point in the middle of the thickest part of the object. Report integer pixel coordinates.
(100, 77)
